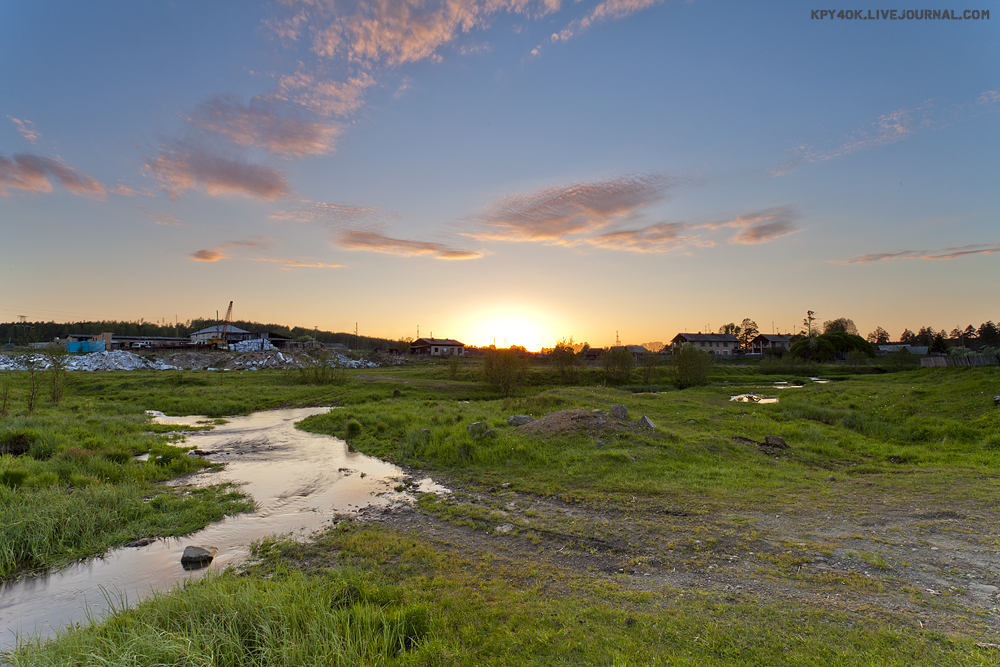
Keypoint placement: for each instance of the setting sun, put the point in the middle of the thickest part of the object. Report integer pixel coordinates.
(508, 326)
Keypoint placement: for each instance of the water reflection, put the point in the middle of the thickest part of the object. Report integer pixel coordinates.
(299, 479)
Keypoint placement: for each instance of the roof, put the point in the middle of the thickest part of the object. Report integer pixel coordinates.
(437, 341)
(707, 338)
(218, 329)
(774, 338)
(634, 349)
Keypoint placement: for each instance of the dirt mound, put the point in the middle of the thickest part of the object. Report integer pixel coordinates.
(573, 421)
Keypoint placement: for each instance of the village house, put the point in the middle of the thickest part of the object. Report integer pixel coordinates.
(723, 344)
(437, 347)
(764, 342)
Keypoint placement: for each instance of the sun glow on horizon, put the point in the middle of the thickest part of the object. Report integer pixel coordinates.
(504, 328)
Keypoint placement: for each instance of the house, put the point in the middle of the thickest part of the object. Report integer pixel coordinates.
(919, 350)
(593, 353)
(763, 342)
(723, 344)
(437, 347)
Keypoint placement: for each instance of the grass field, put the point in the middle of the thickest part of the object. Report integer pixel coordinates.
(614, 537)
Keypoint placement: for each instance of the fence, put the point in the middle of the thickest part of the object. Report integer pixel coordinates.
(971, 360)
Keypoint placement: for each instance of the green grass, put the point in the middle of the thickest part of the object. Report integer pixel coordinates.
(373, 596)
(347, 598)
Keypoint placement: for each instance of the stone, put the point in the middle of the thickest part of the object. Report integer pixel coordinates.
(996, 400)
(618, 412)
(477, 428)
(504, 528)
(646, 422)
(196, 557)
(141, 542)
(775, 442)
(519, 420)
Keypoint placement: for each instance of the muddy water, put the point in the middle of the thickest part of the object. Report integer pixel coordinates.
(300, 480)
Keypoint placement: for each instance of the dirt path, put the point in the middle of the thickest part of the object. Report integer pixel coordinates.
(936, 569)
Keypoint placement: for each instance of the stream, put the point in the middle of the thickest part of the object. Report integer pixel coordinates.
(299, 480)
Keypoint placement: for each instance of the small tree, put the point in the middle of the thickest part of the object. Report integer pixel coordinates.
(57, 372)
(505, 370)
(840, 325)
(691, 366)
(878, 337)
(618, 363)
(454, 362)
(564, 359)
(808, 322)
(748, 332)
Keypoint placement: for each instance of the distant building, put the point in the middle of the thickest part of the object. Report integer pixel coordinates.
(723, 344)
(638, 351)
(920, 350)
(214, 332)
(764, 342)
(437, 347)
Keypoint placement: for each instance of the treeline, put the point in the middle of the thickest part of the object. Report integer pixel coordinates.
(23, 333)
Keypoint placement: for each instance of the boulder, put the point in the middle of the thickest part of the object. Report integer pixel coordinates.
(141, 542)
(646, 422)
(519, 420)
(477, 428)
(775, 442)
(196, 557)
(618, 412)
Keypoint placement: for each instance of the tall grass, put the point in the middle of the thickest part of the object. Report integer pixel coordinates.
(229, 621)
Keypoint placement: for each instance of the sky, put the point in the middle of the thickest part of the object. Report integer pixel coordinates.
(500, 171)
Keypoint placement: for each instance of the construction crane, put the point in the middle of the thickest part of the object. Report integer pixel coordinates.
(221, 331)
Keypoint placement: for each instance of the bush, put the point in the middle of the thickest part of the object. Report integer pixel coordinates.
(565, 360)
(618, 363)
(691, 366)
(504, 370)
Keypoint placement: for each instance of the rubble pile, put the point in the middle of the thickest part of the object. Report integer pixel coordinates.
(122, 360)
(257, 344)
(117, 360)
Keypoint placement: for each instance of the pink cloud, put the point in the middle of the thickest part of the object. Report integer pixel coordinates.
(207, 256)
(761, 226)
(125, 191)
(940, 254)
(26, 128)
(324, 97)
(32, 172)
(333, 214)
(655, 238)
(260, 124)
(185, 167)
(374, 242)
(609, 10)
(555, 213)
(214, 255)
(288, 264)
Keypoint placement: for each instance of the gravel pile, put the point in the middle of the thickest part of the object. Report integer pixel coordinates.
(122, 360)
(117, 360)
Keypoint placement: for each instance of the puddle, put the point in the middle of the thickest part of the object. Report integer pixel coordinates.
(752, 398)
(300, 480)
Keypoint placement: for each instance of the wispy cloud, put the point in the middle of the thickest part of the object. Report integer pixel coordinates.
(598, 214)
(375, 242)
(557, 213)
(263, 124)
(609, 10)
(893, 127)
(290, 264)
(125, 191)
(183, 166)
(334, 214)
(165, 219)
(216, 254)
(32, 172)
(323, 96)
(762, 226)
(360, 227)
(939, 254)
(26, 128)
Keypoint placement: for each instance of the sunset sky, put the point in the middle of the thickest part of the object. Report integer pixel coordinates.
(508, 170)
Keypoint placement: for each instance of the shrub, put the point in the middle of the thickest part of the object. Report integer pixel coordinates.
(618, 363)
(565, 360)
(504, 370)
(691, 366)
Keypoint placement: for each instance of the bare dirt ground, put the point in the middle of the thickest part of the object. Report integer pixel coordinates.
(937, 569)
(854, 550)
